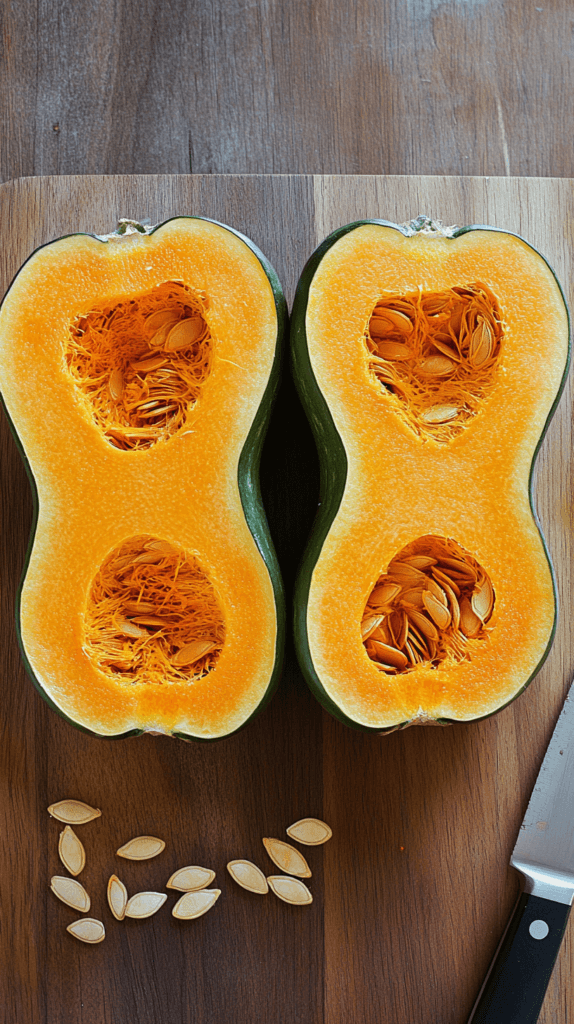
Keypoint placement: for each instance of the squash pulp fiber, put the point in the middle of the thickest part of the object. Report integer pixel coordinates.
(138, 371)
(429, 361)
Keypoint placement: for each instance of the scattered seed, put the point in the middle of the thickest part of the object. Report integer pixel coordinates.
(117, 897)
(141, 848)
(144, 904)
(310, 831)
(248, 876)
(71, 851)
(191, 878)
(290, 890)
(87, 929)
(194, 904)
(70, 892)
(73, 812)
(287, 857)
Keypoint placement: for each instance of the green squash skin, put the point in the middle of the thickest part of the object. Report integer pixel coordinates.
(249, 489)
(333, 468)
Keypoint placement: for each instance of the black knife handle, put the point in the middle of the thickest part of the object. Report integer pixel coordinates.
(516, 983)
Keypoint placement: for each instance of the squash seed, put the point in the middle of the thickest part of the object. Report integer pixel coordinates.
(117, 897)
(129, 628)
(470, 623)
(185, 333)
(141, 848)
(310, 831)
(287, 857)
(152, 363)
(385, 594)
(71, 851)
(394, 351)
(160, 319)
(144, 904)
(483, 599)
(73, 812)
(70, 892)
(192, 652)
(191, 878)
(248, 876)
(195, 904)
(436, 366)
(436, 610)
(87, 929)
(369, 624)
(390, 656)
(439, 413)
(290, 890)
(116, 385)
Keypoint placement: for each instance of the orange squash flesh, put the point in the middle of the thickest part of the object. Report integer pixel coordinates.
(400, 486)
(92, 496)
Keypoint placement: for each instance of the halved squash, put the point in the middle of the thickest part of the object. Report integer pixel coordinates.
(138, 370)
(429, 361)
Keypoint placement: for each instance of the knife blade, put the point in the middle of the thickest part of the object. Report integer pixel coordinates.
(516, 983)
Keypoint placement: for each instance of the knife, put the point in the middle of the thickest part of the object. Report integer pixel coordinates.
(516, 983)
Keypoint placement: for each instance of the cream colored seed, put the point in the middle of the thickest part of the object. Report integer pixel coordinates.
(87, 929)
(117, 897)
(195, 904)
(191, 878)
(184, 334)
(192, 652)
(144, 904)
(287, 857)
(141, 848)
(310, 831)
(70, 892)
(73, 812)
(290, 890)
(248, 876)
(71, 851)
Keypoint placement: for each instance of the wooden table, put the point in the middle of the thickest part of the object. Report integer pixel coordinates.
(412, 893)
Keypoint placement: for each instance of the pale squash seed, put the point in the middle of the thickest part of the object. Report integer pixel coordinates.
(287, 858)
(87, 929)
(248, 876)
(309, 831)
(195, 904)
(73, 812)
(290, 890)
(71, 850)
(144, 904)
(117, 897)
(141, 848)
(70, 892)
(191, 878)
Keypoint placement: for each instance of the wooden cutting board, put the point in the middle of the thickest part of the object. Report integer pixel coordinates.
(412, 893)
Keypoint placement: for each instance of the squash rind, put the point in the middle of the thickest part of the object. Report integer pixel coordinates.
(247, 481)
(334, 466)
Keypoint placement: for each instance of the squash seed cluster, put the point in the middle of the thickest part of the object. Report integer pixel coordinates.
(431, 604)
(309, 832)
(139, 364)
(436, 354)
(191, 881)
(152, 615)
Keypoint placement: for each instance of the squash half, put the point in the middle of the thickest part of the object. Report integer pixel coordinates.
(151, 599)
(429, 361)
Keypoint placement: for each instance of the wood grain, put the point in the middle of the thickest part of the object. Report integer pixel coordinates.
(412, 892)
(222, 86)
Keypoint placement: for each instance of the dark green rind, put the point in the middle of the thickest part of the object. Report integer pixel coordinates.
(249, 490)
(333, 466)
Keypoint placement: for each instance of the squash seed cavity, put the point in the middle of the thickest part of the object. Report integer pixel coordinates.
(139, 364)
(436, 355)
(433, 603)
(153, 616)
